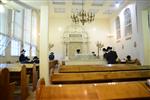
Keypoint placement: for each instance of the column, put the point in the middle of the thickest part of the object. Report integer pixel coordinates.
(44, 40)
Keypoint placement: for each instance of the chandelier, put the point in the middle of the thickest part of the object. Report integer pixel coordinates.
(82, 16)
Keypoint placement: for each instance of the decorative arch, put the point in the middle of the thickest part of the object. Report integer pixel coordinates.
(75, 37)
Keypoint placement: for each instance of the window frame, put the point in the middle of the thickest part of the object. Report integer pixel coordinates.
(118, 29)
(127, 23)
(16, 49)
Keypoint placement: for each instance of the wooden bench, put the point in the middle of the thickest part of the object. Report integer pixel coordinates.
(40, 85)
(103, 91)
(6, 88)
(101, 68)
(32, 70)
(52, 65)
(71, 78)
(18, 74)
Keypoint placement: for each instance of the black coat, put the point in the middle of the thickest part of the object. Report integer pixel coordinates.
(111, 57)
(23, 59)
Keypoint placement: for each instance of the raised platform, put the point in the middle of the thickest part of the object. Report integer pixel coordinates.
(86, 62)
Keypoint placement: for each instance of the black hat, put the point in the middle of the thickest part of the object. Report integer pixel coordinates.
(23, 50)
(52, 52)
(109, 48)
(104, 49)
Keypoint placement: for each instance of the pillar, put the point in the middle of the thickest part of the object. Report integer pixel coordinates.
(44, 40)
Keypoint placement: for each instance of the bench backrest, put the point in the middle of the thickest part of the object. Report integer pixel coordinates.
(4, 84)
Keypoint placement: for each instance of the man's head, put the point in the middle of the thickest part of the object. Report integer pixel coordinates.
(52, 53)
(78, 51)
(109, 48)
(128, 57)
(23, 51)
(104, 50)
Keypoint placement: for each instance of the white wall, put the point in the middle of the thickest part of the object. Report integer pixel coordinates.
(137, 33)
(128, 44)
(97, 31)
(146, 36)
(140, 7)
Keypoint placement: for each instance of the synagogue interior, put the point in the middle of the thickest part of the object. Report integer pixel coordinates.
(74, 49)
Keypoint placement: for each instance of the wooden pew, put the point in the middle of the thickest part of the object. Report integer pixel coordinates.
(52, 65)
(6, 88)
(71, 78)
(104, 91)
(40, 85)
(101, 68)
(32, 70)
(18, 74)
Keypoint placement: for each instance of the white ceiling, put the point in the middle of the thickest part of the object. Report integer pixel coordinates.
(64, 8)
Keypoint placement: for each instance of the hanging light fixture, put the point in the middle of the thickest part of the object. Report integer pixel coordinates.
(82, 16)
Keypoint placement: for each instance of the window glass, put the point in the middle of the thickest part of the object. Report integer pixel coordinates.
(118, 32)
(15, 47)
(128, 22)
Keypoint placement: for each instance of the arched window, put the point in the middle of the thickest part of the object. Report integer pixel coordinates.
(128, 22)
(118, 31)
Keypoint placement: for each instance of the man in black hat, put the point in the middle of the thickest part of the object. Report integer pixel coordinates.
(22, 57)
(111, 56)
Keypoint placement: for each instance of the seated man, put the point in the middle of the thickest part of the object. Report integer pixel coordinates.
(23, 58)
(35, 60)
(130, 61)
